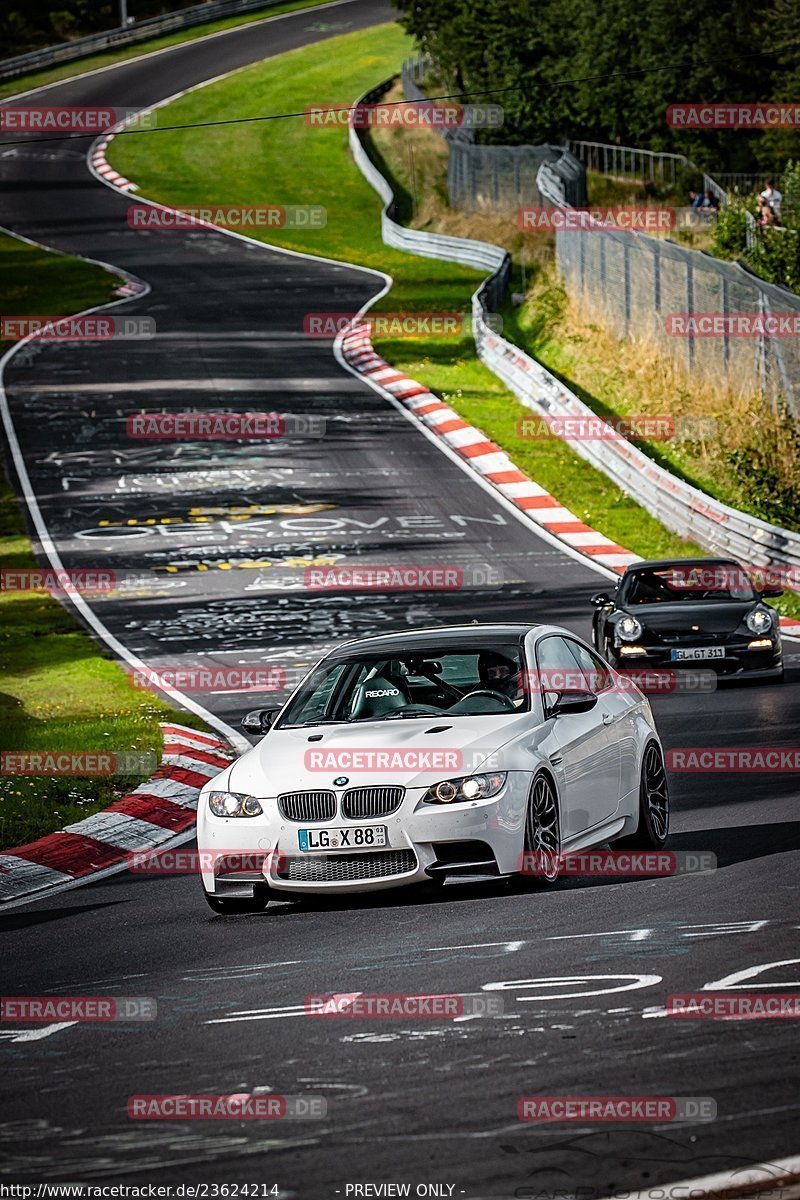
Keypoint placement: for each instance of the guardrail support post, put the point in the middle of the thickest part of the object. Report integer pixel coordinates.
(690, 308)
(657, 277)
(626, 272)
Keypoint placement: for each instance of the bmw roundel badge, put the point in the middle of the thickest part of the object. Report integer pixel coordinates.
(340, 780)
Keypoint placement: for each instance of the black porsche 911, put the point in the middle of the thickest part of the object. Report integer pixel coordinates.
(683, 612)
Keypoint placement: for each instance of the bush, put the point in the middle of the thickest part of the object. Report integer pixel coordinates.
(777, 257)
(730, 229)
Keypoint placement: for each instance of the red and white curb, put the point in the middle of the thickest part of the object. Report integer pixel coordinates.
(490, 462)
(162, 810)
(485, 458)
(105, 169)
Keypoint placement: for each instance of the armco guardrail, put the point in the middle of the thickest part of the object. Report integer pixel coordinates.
(198, 14)
(682, 508)
(481, 255)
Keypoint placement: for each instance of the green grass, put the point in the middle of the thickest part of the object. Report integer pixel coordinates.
(37, 79)
(302, 164)
(291, 162)
(60, 690)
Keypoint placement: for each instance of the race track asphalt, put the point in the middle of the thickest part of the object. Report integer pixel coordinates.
(417, 1102)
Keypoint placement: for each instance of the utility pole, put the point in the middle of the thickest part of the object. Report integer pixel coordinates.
(123, 14)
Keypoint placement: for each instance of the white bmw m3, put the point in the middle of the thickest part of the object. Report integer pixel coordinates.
(402, 759)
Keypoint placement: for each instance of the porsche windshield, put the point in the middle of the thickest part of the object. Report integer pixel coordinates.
(453, 681)
(692, 583)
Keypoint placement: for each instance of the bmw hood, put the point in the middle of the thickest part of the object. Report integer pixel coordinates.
(406, 753)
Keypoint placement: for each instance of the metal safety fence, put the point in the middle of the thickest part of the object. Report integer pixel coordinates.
(494, 179)
(653, 288)
(646, 166)
(660, 167)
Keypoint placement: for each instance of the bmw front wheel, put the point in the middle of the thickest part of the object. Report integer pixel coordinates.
(541, 862)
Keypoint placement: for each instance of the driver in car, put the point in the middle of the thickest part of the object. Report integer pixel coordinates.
(499, 674)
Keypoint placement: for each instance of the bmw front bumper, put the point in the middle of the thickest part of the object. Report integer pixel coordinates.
(238, 853)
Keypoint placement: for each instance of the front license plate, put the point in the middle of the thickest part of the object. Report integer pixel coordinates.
(697, 652)
(361, 837)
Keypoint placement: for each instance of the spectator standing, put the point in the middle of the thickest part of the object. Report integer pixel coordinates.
(772, 197)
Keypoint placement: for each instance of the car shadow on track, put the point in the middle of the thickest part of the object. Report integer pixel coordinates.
(735, 844)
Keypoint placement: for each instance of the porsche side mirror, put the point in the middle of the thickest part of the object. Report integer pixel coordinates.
(600, 599)
(771, 593)
(258, 720)
(572, 702)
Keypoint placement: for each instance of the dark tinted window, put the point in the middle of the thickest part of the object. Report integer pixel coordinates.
(690, 583)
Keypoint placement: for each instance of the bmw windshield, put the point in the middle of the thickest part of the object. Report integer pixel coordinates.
(454, 681)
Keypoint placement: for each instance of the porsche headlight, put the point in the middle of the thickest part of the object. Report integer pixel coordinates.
(233, 804)
(758, 620)
(629, 629)
(472, 787)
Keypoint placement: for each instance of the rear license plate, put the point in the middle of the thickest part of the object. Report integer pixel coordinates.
(361, 837)
(696, 652)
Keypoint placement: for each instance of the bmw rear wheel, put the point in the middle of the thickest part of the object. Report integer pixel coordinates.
(653, 804)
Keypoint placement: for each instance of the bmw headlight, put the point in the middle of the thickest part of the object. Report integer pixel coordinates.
(472, 787)
(758, 620)
(233, 804)
(628, 629)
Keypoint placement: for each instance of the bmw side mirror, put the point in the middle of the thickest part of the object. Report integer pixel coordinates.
(259, 720)
(600, 600)
(572, 702)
